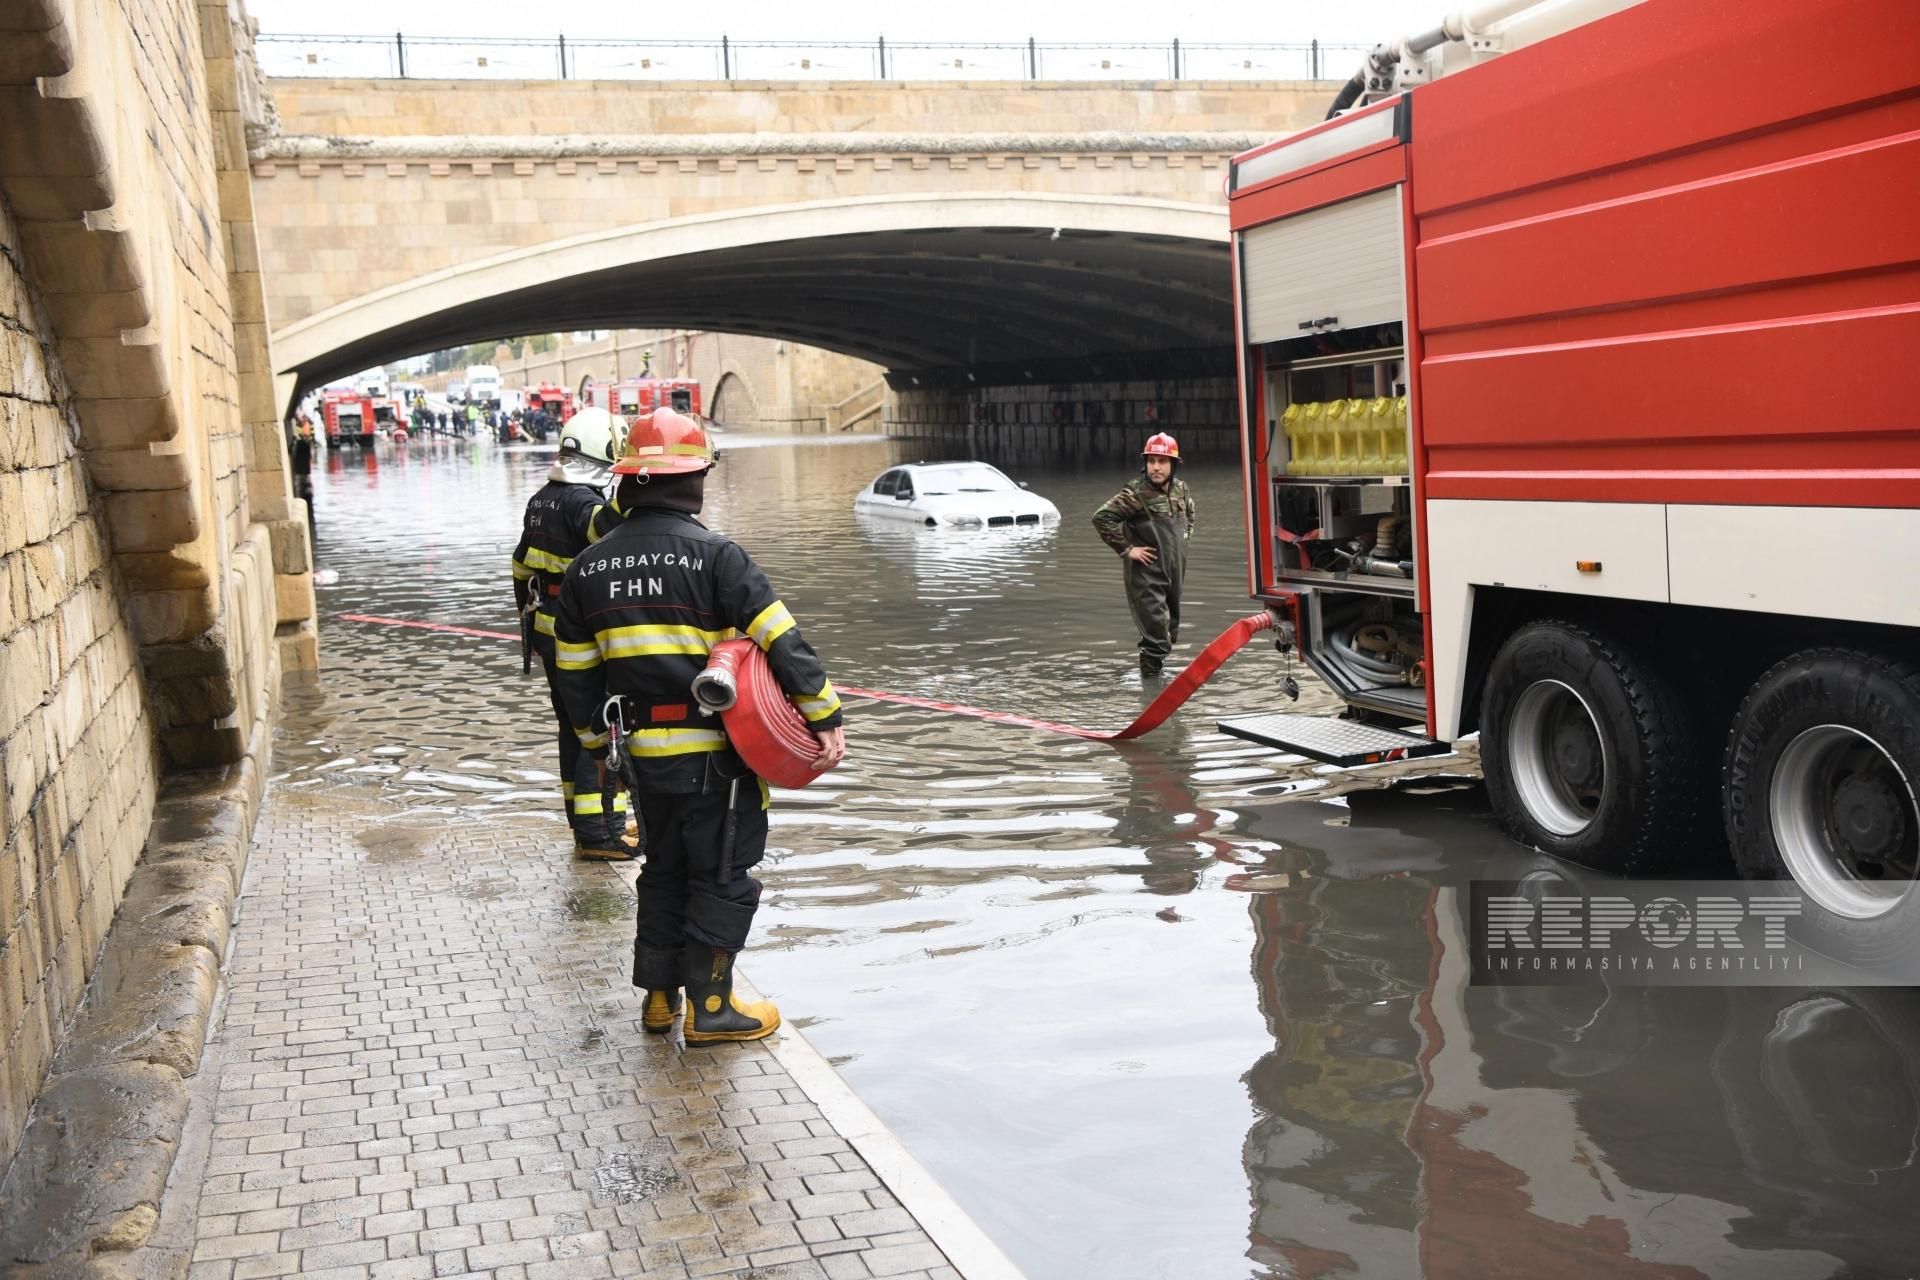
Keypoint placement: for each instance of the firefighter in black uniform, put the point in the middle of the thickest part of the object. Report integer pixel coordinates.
(638, 615)
(560, 523)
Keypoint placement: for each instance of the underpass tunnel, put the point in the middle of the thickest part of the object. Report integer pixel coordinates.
(1021, 327)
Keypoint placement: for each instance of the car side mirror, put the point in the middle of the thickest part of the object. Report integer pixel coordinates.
(1023, 484)
(903, 497)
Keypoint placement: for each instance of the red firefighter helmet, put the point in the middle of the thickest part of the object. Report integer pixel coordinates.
(1162, 446)
(664, 443)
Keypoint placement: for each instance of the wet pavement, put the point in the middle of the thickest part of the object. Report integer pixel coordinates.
(1177, 1008)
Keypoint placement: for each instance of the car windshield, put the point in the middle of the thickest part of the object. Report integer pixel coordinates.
(972, 479)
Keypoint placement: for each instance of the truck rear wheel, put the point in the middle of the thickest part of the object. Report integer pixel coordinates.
(1588, 751)
(1820, 787)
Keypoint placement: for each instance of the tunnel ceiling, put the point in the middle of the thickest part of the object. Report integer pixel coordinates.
(909, 300)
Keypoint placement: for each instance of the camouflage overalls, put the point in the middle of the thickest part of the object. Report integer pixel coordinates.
(1142, 515)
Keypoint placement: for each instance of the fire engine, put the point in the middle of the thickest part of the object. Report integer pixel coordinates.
(349, 416)
(634, 396)
(386, 415)
(1569, 352)
(556, 400)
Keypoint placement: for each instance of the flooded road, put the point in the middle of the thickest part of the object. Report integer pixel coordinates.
(1177, 1008)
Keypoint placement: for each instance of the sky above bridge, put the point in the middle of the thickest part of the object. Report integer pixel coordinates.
(1331, 21)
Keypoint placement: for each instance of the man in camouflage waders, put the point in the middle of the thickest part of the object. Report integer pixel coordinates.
(1149, 523)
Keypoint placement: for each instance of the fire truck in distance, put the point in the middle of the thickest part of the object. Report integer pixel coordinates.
(386, 415)
(1570, 349)
(634, 396)
(348, 416)
(556, 400)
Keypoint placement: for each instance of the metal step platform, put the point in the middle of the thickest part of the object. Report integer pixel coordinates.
(1333, 741)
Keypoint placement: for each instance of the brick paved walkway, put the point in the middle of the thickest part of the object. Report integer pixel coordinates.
(431, 1064)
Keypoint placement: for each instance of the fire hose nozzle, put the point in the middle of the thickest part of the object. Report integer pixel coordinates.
(714, 689)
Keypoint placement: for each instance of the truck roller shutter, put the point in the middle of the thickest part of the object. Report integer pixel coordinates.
(1339, 262)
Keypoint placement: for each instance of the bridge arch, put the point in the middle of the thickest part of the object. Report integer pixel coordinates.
(912, 282)
(732, 399)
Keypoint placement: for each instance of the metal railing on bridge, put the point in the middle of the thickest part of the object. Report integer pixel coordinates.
(571, 58)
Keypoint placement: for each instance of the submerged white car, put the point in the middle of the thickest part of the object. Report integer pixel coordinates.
(955, 495)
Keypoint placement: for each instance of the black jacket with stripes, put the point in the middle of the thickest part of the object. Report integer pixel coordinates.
(638, 615)
(558, 525)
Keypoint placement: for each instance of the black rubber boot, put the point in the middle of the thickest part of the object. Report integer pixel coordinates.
(713, 1014)
(1150, 665)
(657, 972)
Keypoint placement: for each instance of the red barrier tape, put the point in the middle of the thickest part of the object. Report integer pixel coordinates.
(1178, 690)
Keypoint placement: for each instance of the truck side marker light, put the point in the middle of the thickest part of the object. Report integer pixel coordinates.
(1587, 566)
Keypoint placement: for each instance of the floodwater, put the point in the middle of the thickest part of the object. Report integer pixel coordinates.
(1177, 1008)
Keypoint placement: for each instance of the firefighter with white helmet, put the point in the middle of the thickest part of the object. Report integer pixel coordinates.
(1149, 523)
(563, 518)
(638, 617)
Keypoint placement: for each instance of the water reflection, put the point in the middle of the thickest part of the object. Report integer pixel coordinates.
(1174, 1008)
(1416, 1125)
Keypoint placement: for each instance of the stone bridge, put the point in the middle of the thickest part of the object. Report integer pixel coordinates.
(956, 234)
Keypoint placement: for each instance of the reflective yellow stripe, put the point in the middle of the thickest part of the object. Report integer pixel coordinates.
(592, 805)
(545, 561)
(575, 657)
(589, 739)
(520, 572)
(648, 639)
(671, 451)
(820, 705)
(770, 624)
(543, 623)
(674, 742)
(566, 789)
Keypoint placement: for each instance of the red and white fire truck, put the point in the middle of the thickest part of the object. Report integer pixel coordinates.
(348, 416)
(635, 396)
(556, 400)
(1570, 353)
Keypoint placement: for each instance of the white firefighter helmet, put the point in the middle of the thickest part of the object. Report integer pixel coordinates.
(591, 433)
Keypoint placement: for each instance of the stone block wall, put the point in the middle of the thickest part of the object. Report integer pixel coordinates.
(144, 505)
(76, 744)
(1077, 419)
(414, 108)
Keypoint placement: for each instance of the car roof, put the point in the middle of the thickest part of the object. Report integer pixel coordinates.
(938, 466)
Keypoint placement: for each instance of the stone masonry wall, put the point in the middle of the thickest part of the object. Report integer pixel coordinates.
(140, 523)
(444, 108)
(75, 740)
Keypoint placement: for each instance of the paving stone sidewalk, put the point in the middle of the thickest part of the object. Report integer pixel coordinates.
(431, 1064)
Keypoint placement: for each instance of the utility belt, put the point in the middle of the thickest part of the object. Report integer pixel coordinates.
(645, 713)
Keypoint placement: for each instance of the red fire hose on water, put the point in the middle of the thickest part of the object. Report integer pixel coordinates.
(775, 742)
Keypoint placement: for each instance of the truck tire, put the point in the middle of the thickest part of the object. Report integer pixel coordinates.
(1819, 787)
(1589, 752)
(366, 440)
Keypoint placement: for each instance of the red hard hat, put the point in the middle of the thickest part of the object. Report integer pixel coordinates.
(1162, 446)
(664, 443)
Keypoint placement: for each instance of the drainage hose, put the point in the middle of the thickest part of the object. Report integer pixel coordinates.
(1170, 699)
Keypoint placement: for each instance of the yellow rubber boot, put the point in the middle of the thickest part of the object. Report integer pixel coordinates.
(714, 1014)
(657, 972)
(657, 1015)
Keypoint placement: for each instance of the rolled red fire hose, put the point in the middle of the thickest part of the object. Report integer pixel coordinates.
(762, 724)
